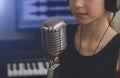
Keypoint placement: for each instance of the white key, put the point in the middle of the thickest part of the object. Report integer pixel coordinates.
(35, 70)
(15, 71)
(9, 71)
(47, 64)
(29, 70)
(42, 69)
(22, 71)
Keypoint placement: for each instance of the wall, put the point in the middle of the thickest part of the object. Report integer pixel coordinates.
(8, 20)
(117, 21)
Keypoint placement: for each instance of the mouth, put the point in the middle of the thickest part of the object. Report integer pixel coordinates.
(81, 14)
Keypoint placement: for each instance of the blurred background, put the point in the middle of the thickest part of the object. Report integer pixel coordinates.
(20, 39)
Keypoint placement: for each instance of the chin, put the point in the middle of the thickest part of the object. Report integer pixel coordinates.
(83, 22)
(80, 21)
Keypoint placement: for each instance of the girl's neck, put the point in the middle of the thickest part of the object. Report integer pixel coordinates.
(93, 31)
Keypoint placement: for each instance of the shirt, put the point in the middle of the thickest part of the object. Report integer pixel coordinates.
(99, 65)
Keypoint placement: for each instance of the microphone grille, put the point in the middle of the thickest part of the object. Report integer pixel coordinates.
(54, 36)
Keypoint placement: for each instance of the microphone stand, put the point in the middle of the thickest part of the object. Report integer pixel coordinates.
(53, 64)
(53, 34)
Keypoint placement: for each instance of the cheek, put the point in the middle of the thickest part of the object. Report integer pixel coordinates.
(95, 11)
(96, 7)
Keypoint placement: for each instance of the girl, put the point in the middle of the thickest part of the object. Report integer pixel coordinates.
(93, 45)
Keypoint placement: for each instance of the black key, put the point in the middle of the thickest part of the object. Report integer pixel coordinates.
(25, 64)
(17, 66)
(36, 65)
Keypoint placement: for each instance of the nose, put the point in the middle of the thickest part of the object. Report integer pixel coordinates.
(78, 3)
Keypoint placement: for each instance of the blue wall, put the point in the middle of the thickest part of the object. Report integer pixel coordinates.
(8, 21)
(12, 40)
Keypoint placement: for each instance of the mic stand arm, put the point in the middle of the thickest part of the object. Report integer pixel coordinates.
(53, 64)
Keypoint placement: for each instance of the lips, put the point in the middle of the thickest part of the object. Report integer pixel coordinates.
(81, 14)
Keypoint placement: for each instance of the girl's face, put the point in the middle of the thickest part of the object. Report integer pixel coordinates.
(87, 11)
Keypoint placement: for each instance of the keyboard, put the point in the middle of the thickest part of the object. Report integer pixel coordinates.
(27, 68)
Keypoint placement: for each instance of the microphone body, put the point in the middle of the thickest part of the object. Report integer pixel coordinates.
(54, 42)
(54, 36)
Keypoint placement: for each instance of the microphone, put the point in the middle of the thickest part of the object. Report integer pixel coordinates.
(54, 42)
(53, 34)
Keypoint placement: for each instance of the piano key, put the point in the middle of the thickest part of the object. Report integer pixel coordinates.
(20, 69)
(42, 69)
(29, 69)
(15, 73)
(36, 64)
(17, 66)
(25, 66)
(47, 64)
(44, 64)
(9, 70)
(11, 66)
(35, 70)
(24, 69)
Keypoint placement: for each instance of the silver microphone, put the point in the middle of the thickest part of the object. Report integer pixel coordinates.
(54, 42)
(54, 36)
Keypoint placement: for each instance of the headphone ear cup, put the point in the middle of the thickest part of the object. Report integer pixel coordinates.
(112, 5)
(118, 4)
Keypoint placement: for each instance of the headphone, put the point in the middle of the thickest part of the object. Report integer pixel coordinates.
(111, 5)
